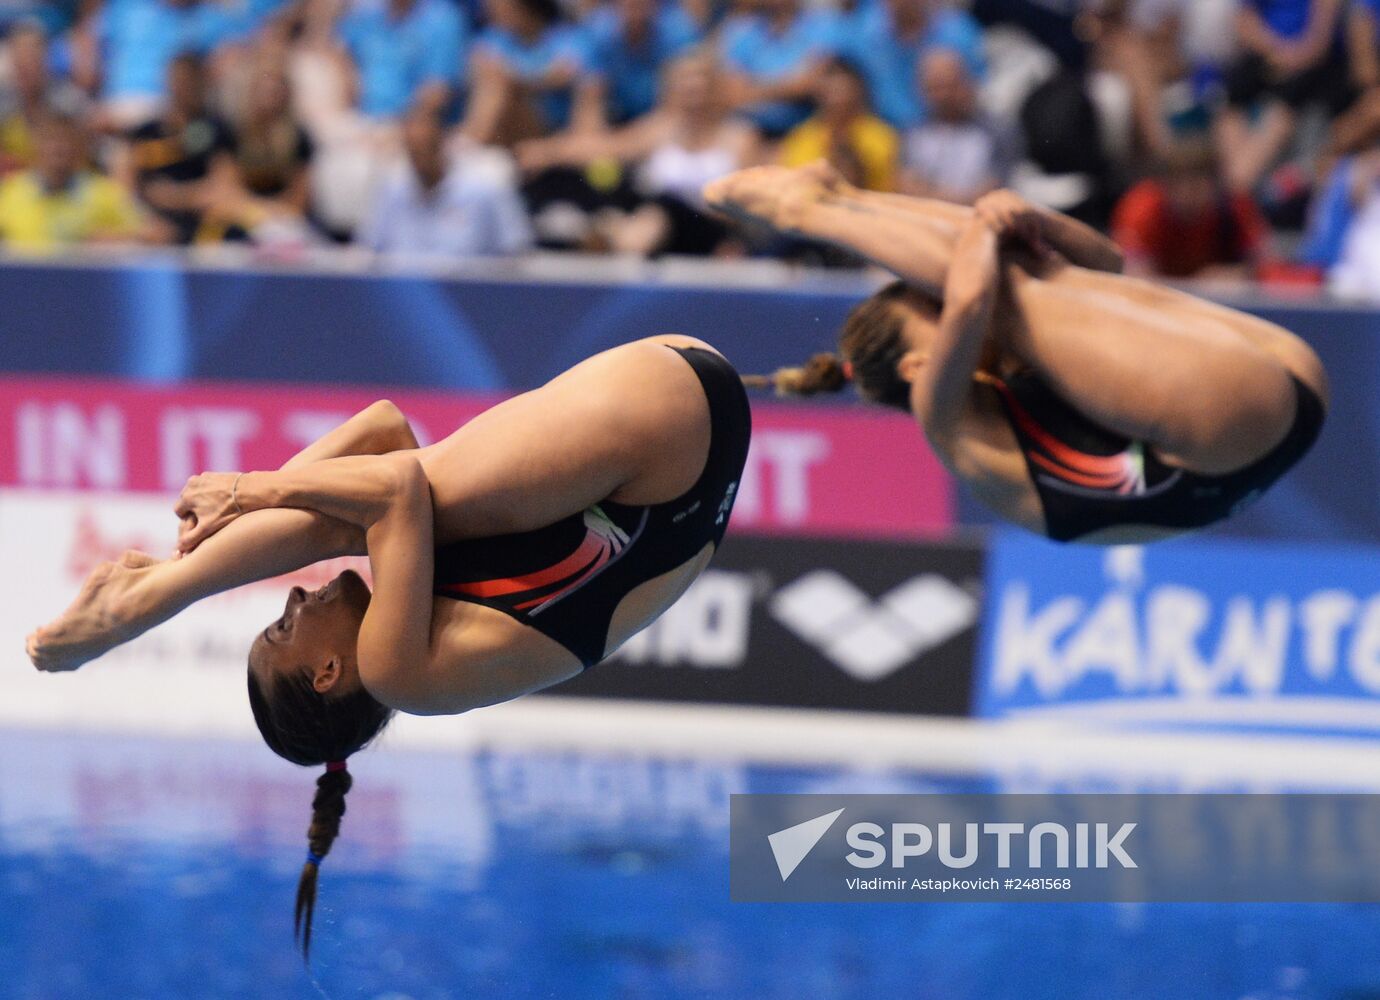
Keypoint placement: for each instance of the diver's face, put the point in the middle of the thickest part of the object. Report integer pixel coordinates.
(318, 632)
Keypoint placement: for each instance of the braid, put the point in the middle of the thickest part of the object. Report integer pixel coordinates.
(327, 809)
(871, 347)
(822, 373)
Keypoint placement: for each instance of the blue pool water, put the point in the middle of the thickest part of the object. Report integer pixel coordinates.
(137, 868)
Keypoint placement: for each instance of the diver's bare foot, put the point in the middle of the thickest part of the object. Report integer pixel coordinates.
(105, 614)
(779, 196)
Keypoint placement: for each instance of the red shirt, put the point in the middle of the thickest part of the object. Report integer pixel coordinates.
(1179, 247)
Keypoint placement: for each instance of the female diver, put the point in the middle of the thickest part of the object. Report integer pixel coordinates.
(1074, 401)
(522, 549)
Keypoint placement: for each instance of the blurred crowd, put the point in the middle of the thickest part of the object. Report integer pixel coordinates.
(1227, 139)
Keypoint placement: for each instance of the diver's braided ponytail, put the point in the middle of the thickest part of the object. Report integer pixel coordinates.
(871, 346)
(327, 809)
(822, 373)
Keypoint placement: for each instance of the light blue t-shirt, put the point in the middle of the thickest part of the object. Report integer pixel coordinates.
(397, 57)
(559, 43)
(749, 46)
(891, 64)
(140, 38)
(633, 74)
(465, 216)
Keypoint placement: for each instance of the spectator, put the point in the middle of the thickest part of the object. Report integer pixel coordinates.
(270, 153)
(958, 154)
(1358, 128)
(689, 140)
(1291, 59)
(1185, 223)
(352, 151)
(435, 207)
(844, 131)
(32, 93)
(1356, 271)
(888, 39)
(630, 41)
(1362, 36)
(321, 69)
(1169, 53)
(1065, 165)
(134, 41)
(178, 161)
(406, 52)
(773, 57)
(1333, 210)
(61, 202)
(525, 67)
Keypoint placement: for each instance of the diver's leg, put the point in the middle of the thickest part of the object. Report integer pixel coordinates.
(629, 425)
(1208, 398)
(121, 600)
(911, 237)
(1190, 311)
(944, 217)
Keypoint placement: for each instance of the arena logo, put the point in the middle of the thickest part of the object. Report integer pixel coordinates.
(868, 639)
(1176, 639)
(871, 639)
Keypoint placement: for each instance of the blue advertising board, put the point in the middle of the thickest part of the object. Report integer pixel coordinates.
(1184, 633)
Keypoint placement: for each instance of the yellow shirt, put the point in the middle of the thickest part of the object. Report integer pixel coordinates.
(873, 142)
(92, 207)
(16, 139)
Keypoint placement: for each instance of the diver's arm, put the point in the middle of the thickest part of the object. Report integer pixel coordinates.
(395, 636)
(356, 490)
(376, 430)
(1080, 243)
(941, 391)
(281, 540)
(1011, 215)
(268, 543)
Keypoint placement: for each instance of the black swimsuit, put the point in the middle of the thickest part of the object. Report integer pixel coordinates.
(1089, 478)
(566, 580)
